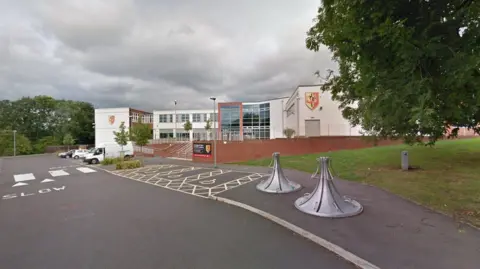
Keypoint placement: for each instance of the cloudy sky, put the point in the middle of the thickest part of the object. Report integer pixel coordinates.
(147, 53)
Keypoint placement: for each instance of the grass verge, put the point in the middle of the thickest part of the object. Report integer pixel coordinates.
(448, 178)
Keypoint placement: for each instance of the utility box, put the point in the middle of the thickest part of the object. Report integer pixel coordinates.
(404, 160)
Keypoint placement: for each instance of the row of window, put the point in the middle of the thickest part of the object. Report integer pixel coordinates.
(225, 134)
(146, 118)
(196, 117)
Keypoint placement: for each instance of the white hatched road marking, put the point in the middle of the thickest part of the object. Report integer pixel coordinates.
(86, 170)
(58, 173)
(170, 180)
(24, 177)
(47, 180)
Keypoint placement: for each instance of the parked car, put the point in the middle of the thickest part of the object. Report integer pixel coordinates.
(62, 154)
(67, 154)
(79, 153)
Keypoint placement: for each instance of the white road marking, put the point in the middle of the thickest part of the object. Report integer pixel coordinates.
(24, 177)
(20, 184)
(58, 173)
(86, 170)
(47, 180)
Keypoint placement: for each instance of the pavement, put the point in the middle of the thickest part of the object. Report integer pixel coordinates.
(59, 213)
(391, 232)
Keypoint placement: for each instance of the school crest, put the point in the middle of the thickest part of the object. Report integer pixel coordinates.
(312, 100)
(207, 148)
(111, 119)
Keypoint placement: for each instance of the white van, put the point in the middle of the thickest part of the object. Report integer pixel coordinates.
(109, 150)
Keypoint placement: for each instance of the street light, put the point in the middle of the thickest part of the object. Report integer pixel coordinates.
(14, 143)
(175, 120)
(214, 134)
(298, 116)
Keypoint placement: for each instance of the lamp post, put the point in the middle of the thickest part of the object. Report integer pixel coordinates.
(175, 120)
(283, 115)
(14, 142)
(214, 134)
(298, 116)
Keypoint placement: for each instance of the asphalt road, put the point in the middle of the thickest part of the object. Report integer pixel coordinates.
(80, 220)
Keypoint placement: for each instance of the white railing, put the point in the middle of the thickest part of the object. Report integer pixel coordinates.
(143, 149)
(184, 151)
(168, 140)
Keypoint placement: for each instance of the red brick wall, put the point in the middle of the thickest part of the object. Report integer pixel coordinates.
(234, 151)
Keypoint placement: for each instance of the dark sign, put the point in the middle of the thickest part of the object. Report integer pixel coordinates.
(202, 150)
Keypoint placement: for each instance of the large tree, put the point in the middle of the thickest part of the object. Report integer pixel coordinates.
(140, 133)
(45, 120)
(407, 69)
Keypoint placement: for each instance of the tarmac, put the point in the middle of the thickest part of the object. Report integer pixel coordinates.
(392, 232)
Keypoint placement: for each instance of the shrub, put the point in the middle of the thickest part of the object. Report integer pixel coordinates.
(289, 133)
(108, 161)
(129, 164)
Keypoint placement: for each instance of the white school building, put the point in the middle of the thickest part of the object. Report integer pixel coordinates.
(308, 111)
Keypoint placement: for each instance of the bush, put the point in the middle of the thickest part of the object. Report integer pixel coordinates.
(289, 132)
(129, 164)
(108, 161)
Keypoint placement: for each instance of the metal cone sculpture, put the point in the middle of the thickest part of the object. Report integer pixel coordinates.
(277, 182)
(325, 200)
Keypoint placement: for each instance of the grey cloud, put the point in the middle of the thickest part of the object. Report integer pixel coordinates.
(147, 53)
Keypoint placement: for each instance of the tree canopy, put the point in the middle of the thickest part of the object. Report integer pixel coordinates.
(187, 126)
(44, 121)
(140, 133)
(122, 136)
(407, 69)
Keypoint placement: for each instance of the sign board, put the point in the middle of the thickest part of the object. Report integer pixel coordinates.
(202, 150)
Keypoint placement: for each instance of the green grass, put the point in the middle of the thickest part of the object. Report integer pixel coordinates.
(448, 178)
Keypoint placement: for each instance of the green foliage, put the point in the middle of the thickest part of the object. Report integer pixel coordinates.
(109, 161)
(407, 69)
(129, 164)
(187, 126)
(289, 132)
(44, 142)
(23, 145)
(43, 120)
(208, 125)
(68, 139)
(140, 133)
(122, 136)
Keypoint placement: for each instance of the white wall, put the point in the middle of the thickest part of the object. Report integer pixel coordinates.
(276, 115)
(179, 128)
(103, 128)
(328, 112)
(291, 117)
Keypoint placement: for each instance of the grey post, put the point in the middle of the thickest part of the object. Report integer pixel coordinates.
(214, 134)
(405, 160)
(298, 115)
(14, 143)
(175, 120)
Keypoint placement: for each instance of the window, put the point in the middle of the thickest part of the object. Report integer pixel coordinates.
(147, 118)
(135, 117)
(165, 118)
(204, 117)
(183, 117)
(213, 117)
(196, 117)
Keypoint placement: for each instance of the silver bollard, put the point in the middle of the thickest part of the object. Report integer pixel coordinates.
(325, 200)
(277, 182)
